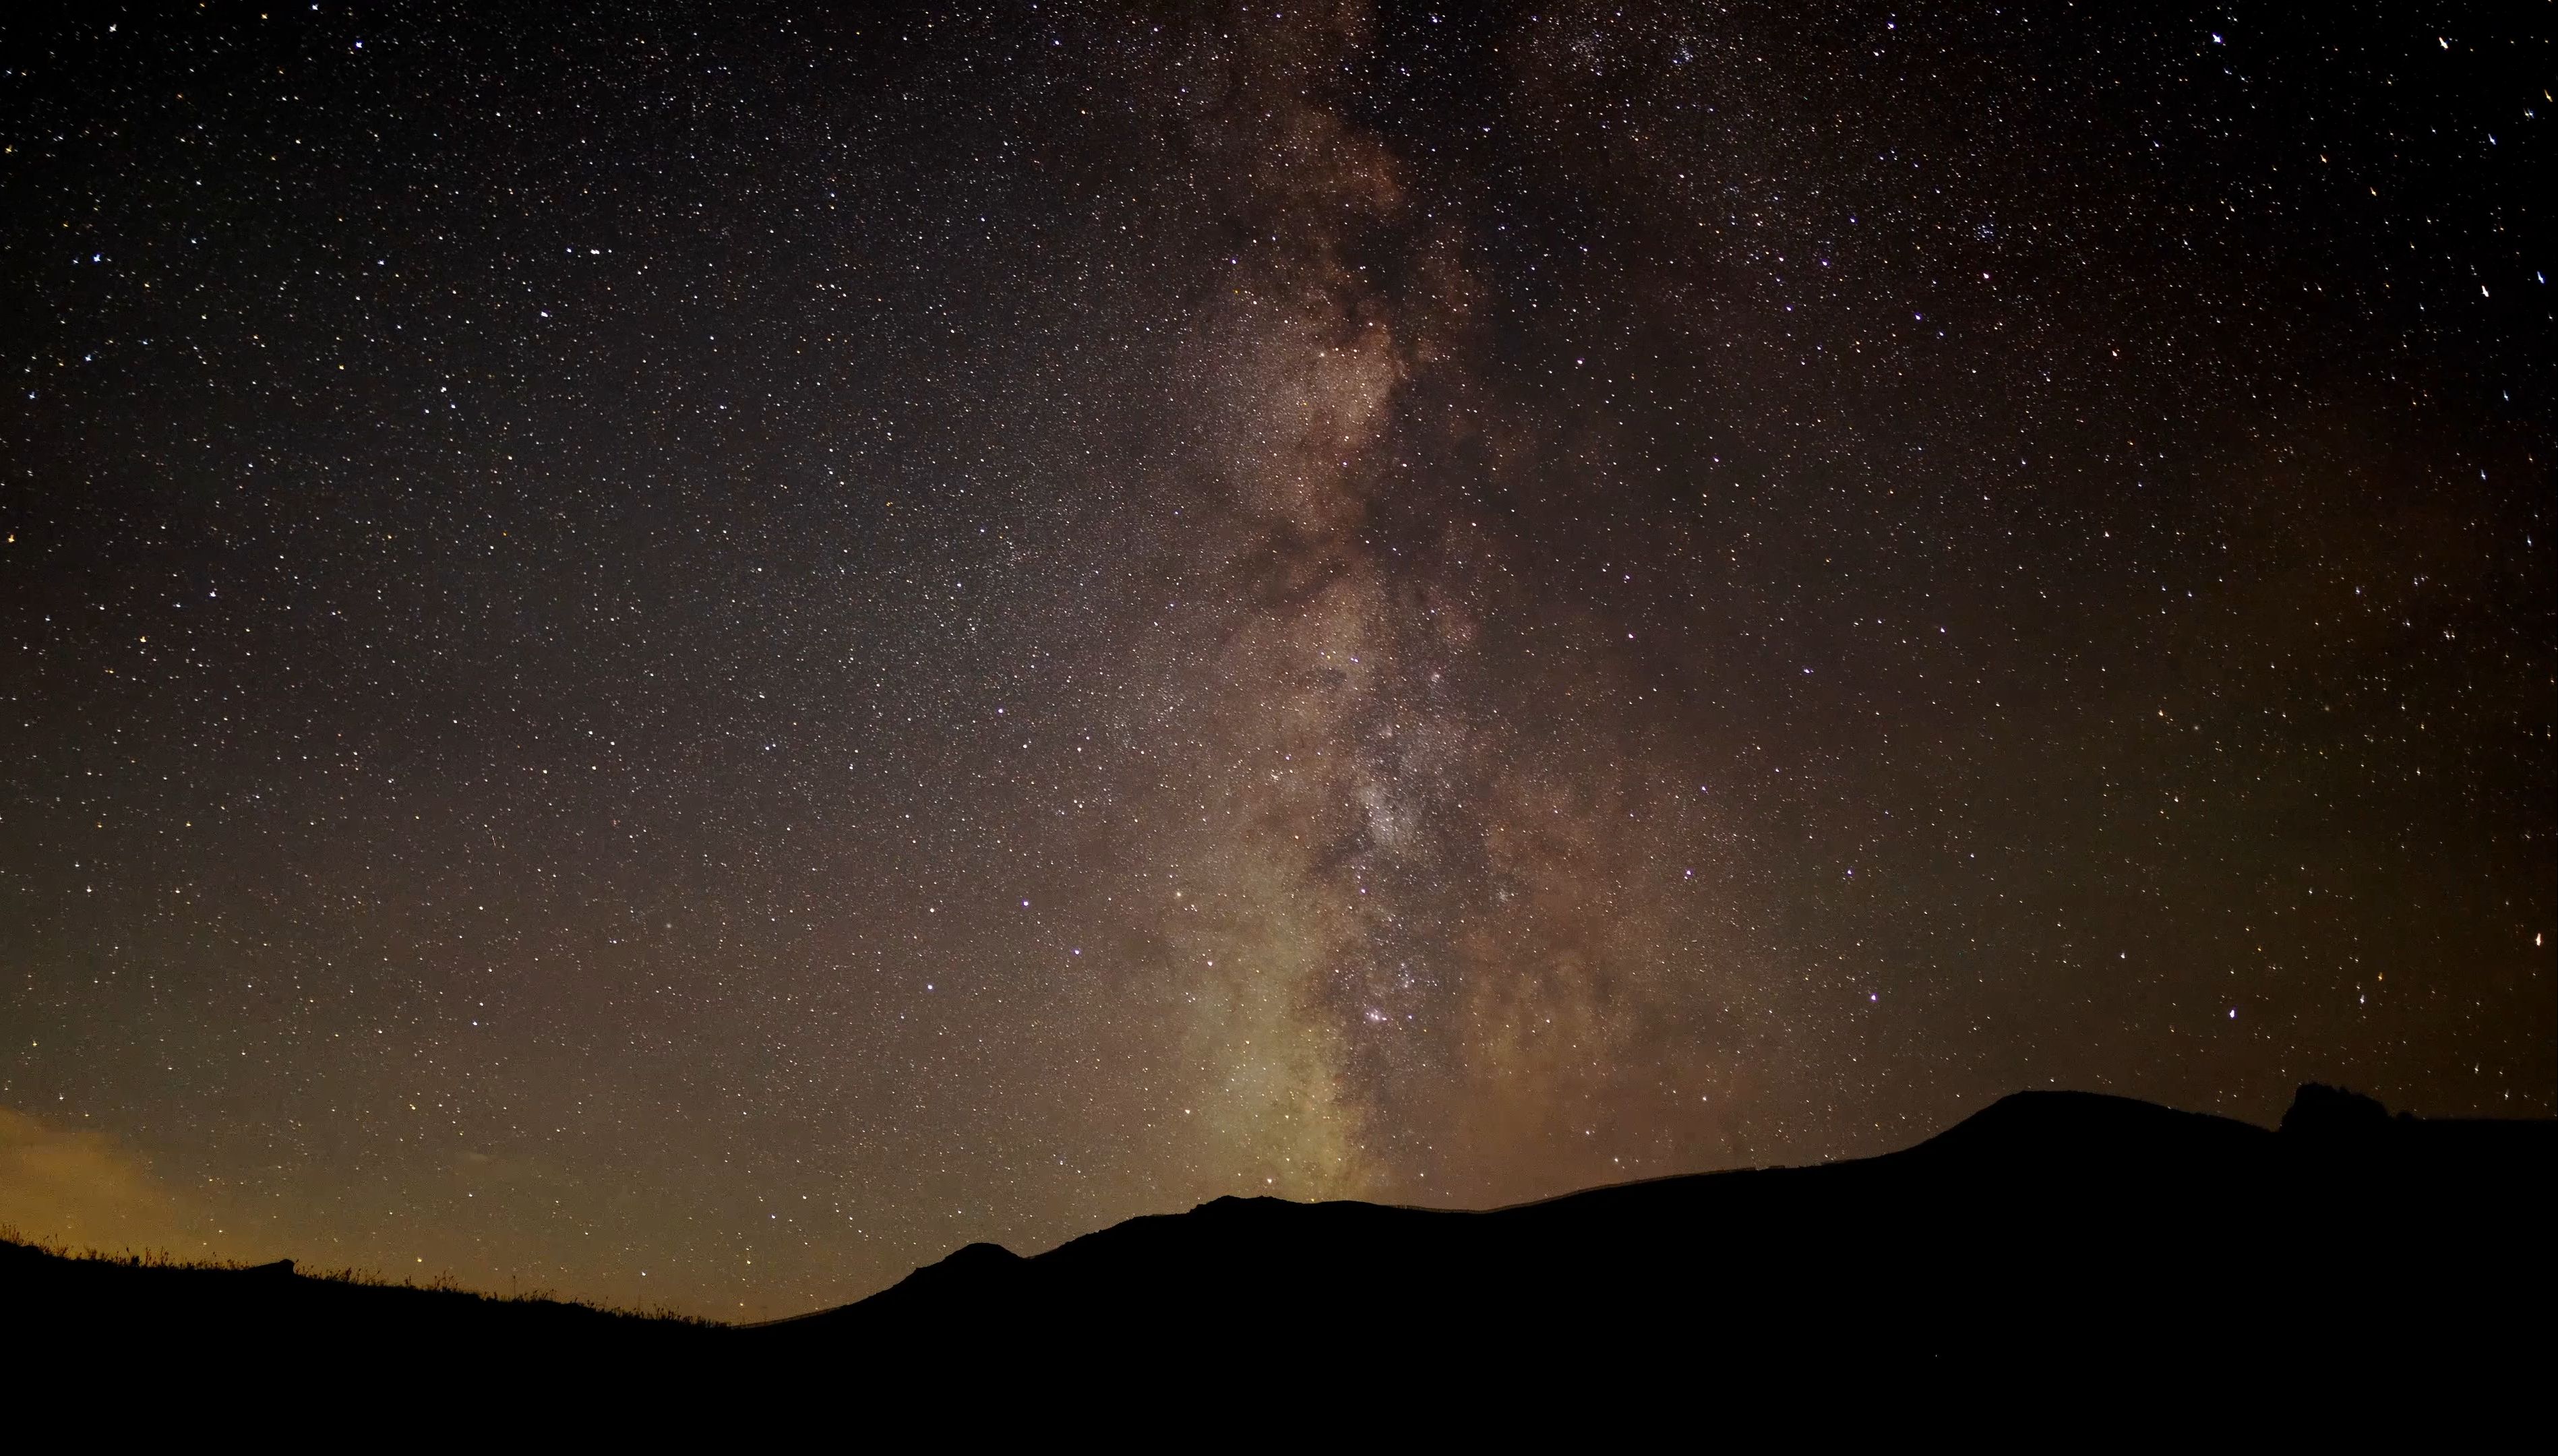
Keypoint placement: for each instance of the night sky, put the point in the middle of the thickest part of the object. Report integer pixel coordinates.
(693, 653)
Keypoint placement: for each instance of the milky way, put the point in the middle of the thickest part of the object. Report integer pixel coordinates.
(695, 655)
(1409, 937)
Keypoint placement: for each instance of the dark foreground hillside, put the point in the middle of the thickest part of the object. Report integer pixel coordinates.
(2062, 1236)
(2055, 1246)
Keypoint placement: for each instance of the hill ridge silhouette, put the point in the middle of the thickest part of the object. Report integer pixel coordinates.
(2076, 1235)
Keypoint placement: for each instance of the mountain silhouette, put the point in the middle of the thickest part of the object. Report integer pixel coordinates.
(2053, 1242)
(2053, 1233)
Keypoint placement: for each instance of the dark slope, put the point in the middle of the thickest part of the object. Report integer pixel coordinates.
(2055, 1241)
(2058, 1233)
(150, 1315)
